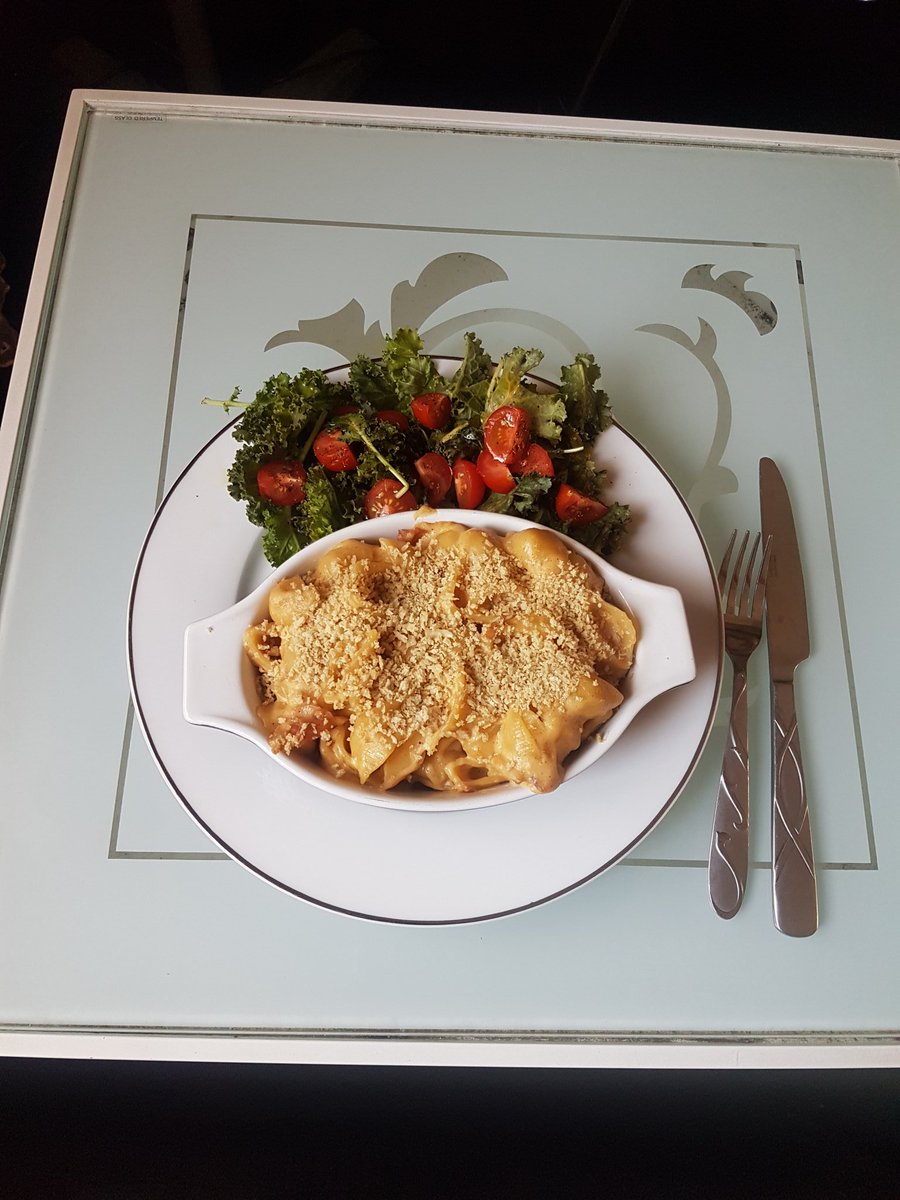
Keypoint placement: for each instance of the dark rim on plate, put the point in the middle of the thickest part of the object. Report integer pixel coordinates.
(285, 887)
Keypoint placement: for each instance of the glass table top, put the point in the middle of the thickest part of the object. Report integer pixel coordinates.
(740, 294)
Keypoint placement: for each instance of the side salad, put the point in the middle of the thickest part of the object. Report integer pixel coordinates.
(316, 455)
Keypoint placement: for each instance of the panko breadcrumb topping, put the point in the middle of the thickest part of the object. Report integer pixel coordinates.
(447, 631)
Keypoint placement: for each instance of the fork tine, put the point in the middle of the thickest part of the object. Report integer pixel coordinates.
(743, 608)
(760, 593)
(723, 569)
(736, 574)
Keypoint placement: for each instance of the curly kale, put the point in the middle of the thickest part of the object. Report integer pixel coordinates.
(409, 371)
(579, 469)
(587, 407)
(280, 422)
(320, 513)
(605, 535)
(277, 421)
(468, 387)
(460, 441)
(370, 387)
(289, 411)
(509, 386)
(281, 536)
(382, 447)
(527, 499)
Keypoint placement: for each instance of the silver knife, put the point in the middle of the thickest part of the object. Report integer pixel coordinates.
(787, 632)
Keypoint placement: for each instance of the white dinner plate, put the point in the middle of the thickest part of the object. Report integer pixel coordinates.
(201, 555)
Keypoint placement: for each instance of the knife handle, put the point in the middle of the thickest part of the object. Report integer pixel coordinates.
(793, 865)
(728, 849)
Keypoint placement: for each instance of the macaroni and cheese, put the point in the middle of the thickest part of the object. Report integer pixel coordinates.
(451, 656)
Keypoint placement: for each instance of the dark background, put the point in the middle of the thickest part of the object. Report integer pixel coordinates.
(178, 1130)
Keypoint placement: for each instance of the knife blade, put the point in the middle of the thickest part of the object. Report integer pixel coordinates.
(794, 897)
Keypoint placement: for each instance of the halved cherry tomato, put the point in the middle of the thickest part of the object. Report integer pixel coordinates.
(535, 461)
(382, 499)
(577, 508)
(333, 452)
(496, 475)
(468, 484)
(342, 409)
(432, 409)
(434, 472)
(281, 482)
(506, 432)
(393, 417)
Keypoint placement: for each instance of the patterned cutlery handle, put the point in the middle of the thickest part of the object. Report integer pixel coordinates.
(793, 866)
(728, 849)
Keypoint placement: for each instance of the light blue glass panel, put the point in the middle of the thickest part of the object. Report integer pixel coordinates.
(566, 241)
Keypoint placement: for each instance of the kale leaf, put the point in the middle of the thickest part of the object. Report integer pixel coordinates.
(467, 390)
(280, 539)
(382, 447)
(604, 536)
(468, 387)
(321, 510)
(508, 386)
(407, 369)
(587, 407)
(276, 421)
(580, 470)
(370, 387)
(280, 422)
(461, 441)
(525, 500)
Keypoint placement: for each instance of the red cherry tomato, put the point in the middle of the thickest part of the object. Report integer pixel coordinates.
(506, 432)
(496, 475)
(468, 484)
(382, 499)
(535, 461)
(434, 472)
(432, 409)
(282, 483)
(577, 508)
(333, 452)
(393, 417)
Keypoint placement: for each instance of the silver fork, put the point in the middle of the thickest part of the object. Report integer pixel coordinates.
(742, 607)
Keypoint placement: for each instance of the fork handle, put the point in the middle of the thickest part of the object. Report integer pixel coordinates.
(794, 896)
(728, 848)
